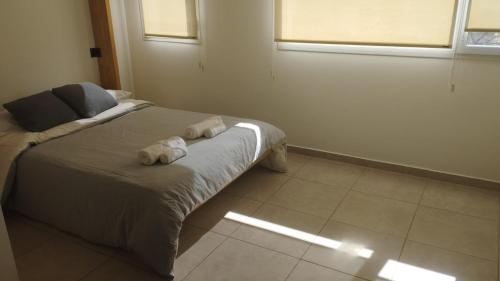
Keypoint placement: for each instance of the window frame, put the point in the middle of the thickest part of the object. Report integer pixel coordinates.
(465, 49)
(172, 39)
(459, 43)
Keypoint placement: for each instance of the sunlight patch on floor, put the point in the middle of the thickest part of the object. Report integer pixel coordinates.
(350, 248)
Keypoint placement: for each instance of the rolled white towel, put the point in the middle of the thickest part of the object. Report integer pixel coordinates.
(171, 154)
(214, 131)
(167, 151)
(175, 148)
(173, 142)
(197, 130)
(151, 154)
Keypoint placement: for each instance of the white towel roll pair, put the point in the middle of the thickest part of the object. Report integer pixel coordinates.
(165, 151)
(208, 128)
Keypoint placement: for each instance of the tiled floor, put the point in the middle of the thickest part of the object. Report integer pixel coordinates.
(441, 229)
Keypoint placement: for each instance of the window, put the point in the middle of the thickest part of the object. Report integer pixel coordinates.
(416, 23)
(484, 16)
(482, 28)
(435, 28)
(483, 39)
(174, 19)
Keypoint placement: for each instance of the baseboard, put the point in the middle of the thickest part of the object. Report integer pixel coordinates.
(437, 175)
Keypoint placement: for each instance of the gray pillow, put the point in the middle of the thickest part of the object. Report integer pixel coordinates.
(40, 112)
(87, 99)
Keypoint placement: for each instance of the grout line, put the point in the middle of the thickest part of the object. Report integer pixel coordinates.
(460, 214)
(301, 165)
(335, 209)
(292, 270)
(203, 260)
(267, 201)
(107, 260)
(368, 229)
(348, 191)
(299, 259)
(17, 258)
(43, 244)
(273, 250)
(297, 211)
(226, 237)
(281, 186)
(239, 224)
(377, 196)
(333, 212)
(335, 185)
(453, 251)
(386, 197)
(335, 269)
(411, 223)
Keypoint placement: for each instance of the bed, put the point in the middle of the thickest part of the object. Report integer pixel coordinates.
(84, 177)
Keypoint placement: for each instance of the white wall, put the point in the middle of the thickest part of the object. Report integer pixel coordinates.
(44, 44)
(391, 109)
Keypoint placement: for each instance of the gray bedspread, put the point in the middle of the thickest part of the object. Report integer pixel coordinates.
(90, 183)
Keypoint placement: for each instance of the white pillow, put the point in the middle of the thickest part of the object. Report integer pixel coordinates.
(120, 94)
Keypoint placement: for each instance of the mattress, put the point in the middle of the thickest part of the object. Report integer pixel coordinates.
(90, 182)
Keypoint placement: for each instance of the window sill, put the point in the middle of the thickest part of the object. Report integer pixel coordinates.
(172, 39)
(367, 50)
(480, 50)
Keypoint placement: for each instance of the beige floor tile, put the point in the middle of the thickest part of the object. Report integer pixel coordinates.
(25, 238)
(278, 242)
(102, 249)
(59, 260)
(211, 215)
(376, 213)
(295, 162)
(115, 270)
(308, 197)
(346, 259)
(463, 267)
(133, 259)
(188, 237)
(290, 218)
(258, 184)
(391, 185)
(306, 271)
(330, 172)
(196, 254)
(462, 199)
(273, 241)
(456, 232)
(236, 260)
(37, 227)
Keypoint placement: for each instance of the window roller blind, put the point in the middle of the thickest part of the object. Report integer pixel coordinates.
(426, 23)
(170, 18)
(484, 16)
